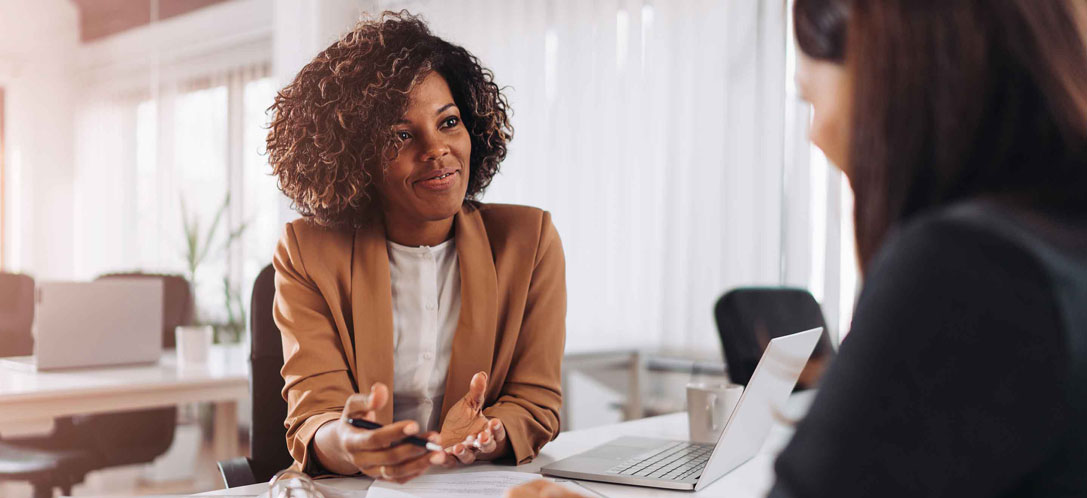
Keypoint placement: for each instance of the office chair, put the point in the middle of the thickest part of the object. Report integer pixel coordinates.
(43, 469)
(268, 436)
(748, 317)
(16, 314)
(84, 443)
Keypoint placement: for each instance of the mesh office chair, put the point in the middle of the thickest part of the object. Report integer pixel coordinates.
(268, 436)
(747, 318)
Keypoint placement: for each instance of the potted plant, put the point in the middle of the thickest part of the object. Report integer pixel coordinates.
(229, 326)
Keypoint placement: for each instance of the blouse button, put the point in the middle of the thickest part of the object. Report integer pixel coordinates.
(430, 306)
(428, 355)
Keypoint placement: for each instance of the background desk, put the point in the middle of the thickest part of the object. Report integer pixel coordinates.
(32, 399)
(752, 479)
(638, 366)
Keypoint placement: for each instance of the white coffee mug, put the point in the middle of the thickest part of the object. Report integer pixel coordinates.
(193, 344)
(708, 408)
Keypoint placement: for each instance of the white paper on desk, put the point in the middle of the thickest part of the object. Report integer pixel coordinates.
(323, 490)
(460, 485)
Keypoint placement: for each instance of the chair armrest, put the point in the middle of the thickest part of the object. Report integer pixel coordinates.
(237, 472)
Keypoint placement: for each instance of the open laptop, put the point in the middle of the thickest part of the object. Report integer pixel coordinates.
(661, 463)
(91, 324)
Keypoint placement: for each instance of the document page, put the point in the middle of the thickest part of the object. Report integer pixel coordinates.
(460, 485)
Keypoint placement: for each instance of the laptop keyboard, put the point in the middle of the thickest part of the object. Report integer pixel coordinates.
(672, 462)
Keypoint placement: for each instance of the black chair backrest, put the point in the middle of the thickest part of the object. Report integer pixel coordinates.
(268, 439)
(747, 318)
(177, 302)
(16, 314)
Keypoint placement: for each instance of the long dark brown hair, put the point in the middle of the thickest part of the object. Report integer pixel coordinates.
(954, 99)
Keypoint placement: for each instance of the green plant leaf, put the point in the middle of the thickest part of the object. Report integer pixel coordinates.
(191, 227)
(233, 236)
(214, 226)
(228, 298)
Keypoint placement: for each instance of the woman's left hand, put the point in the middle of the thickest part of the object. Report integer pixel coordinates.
(467, 434)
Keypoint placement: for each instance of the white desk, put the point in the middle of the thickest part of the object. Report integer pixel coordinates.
(638, 365)
(752, 479)
(32, 399)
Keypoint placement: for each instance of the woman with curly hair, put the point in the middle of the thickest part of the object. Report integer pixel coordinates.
(396, 282)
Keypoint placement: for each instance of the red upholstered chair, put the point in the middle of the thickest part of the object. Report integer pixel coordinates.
(16, 314)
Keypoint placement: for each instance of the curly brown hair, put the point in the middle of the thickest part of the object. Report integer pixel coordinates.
(332, 127)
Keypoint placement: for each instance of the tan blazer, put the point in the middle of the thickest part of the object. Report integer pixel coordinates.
(333, 306)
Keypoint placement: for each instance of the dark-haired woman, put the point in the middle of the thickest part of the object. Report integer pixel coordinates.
(395, 278)
(962, 127)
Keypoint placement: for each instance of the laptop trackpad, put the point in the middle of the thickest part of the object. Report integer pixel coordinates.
(626, 447)
(612, 452)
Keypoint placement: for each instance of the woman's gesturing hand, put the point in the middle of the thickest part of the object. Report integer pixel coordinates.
(379, 453)
(467, 434)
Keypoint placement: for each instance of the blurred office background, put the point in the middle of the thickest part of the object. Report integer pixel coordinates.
(665, 136)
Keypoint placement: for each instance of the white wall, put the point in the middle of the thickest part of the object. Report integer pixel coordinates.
(37, 46)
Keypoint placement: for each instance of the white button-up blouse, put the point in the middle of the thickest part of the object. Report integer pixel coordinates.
(426, 307)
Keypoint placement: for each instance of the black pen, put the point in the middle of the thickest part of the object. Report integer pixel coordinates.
(417, 441)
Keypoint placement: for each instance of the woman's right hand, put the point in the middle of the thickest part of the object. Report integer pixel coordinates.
(345, 449)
